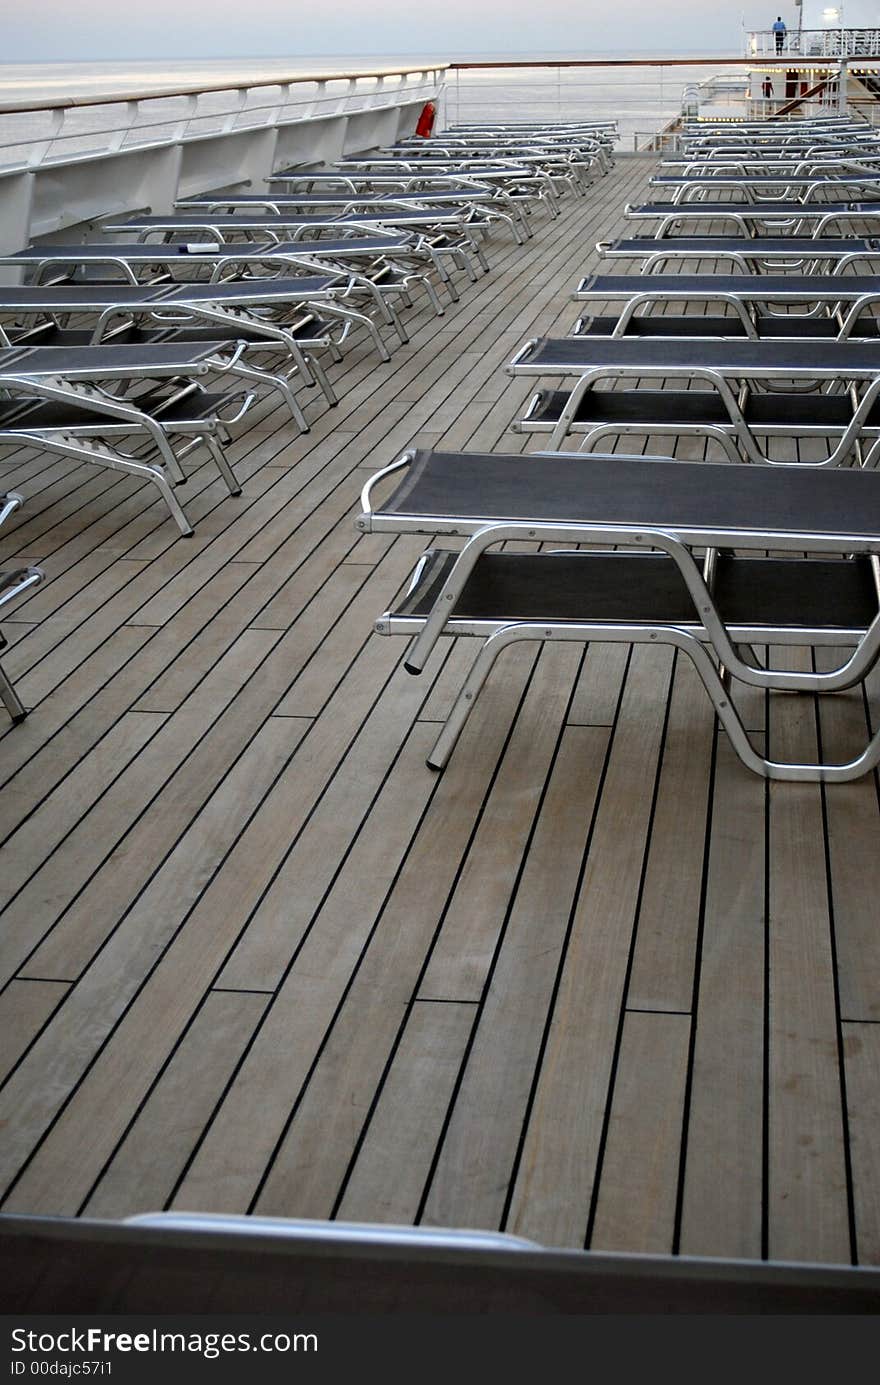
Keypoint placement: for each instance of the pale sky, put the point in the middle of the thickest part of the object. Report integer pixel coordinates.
(78, 30)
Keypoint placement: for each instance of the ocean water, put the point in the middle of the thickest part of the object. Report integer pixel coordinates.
(642, 99)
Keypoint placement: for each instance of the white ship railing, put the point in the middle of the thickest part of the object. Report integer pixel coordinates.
(70, 161)
(642, 95)
(63, 128)
(815, 43)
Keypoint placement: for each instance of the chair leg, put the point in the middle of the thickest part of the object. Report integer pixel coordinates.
(303, 364)
(324, 384)
(10, 698)
(432, 296)
(470, 689)
(444, 276)
(216, 450)
(398, 325)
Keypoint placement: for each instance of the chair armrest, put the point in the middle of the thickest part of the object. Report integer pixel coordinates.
(9, 503)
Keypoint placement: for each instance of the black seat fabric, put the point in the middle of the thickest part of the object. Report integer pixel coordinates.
(648, 587)
(699, 408)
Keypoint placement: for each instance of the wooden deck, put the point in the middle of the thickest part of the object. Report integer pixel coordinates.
(596, 984)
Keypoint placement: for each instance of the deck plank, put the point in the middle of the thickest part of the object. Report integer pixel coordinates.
(156, 1148)
(469, 1186)
(392, 1165)
(555, 1177)
(862, 1056)
(807, 1176)
(477, 911)
(635, 1208)
(723, 1196)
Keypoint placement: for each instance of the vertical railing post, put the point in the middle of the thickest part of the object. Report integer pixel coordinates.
(41, 149)
(239, 103)
(129, 118)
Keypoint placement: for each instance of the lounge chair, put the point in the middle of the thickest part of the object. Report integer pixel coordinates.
(806, 254)
(56, 400)
(298, 331)
(14, 582)
(825, 163)
(506, 172)
(712, 130)
(477, 207)
(586, 155)
(466, 222)
(797, 218)
(830, 306)
(333, 290)
(789, 147)
(497, 202)
(658, 590)
(133, 262)
(730, 411)
(220, 231)
(769, 186)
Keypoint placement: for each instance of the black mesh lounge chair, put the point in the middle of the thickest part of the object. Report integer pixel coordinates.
(738, 151)
(771, 143)
(465, 225)
(526, 185)
(805, 254)
(760, 327)
(412, 248)
(507, 172)
(232, 341)
(14, 582)
(564, 164)
(55, 400)
(355, 288)
(34, 314)
(414, 174)
(575, 164)
(731, 413)
(770, 186)
(821, 167)
(296, 178)
(496, 202)
(795, 218)
(493, 202)
(411, 255)
(363, 259)
(652, 587)
(831, 307)
(135, 261)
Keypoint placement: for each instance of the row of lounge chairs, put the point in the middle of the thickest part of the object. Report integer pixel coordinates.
(135, 350)
(718, 560)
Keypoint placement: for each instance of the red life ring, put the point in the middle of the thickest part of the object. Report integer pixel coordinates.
(425, 122)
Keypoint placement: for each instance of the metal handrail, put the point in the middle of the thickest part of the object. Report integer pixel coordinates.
(833, 42)
(284, 79)
(304, 96)
(202, 89)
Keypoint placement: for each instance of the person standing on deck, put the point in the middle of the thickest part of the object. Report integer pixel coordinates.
(779, 31)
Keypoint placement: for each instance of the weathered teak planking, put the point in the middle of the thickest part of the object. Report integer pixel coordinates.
(595, 984)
